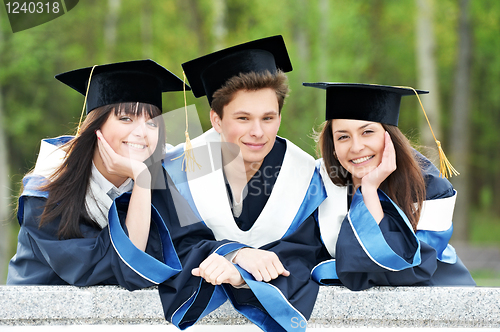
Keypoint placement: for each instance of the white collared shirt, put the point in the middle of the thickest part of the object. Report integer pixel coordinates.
(108, 187)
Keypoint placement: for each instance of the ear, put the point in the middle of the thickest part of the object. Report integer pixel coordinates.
(216, 121)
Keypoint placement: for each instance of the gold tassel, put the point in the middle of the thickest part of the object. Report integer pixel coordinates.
(446, 169)
(189, 161)
(85, 101)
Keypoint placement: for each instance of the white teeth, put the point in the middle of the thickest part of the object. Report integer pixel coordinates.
(137, 146)
(360, 160)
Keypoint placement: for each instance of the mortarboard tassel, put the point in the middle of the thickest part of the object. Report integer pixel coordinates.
(85, 101)
(446, 169)
(189, 161)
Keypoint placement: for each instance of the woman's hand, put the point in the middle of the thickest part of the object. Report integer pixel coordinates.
(262, 264)
(217, 270)
(116, 164)
(371, 181)
(384, 169)
(139, 209)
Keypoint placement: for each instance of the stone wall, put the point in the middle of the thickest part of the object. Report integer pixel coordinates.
(335, 307)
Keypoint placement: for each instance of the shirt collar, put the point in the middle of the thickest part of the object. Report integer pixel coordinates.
(107, 186)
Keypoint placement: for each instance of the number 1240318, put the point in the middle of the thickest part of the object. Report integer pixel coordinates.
(25, 7)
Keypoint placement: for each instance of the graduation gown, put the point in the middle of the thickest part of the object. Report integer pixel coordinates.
(281, 221)
(364, 254)
(177, 243)
(103, 256)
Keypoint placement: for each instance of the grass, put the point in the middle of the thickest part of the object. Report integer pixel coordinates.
(484, 228)
(486, 278)
(485, 232)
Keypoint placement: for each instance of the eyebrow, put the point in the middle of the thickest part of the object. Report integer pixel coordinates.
(273, 112)
(241, 113)
(248, 113)
(345, 131)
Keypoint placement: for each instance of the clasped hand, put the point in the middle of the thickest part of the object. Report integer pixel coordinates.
(263, 265)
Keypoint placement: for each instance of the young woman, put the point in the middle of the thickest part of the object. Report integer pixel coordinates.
(388, 216)
(97, 208)
(66, 236)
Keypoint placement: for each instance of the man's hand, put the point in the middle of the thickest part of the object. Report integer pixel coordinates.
(217, 270)
(263, 265)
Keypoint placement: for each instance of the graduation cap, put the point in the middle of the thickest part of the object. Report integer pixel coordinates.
(368, 102)
(209, 73)
(132, 81)
(376, 103)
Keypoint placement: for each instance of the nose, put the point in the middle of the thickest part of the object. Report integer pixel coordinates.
(256, 130)
(139, 129)
(357, 145)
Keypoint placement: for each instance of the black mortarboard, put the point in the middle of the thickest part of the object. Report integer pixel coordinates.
(368, 102)
(132, 81)
(209, 73)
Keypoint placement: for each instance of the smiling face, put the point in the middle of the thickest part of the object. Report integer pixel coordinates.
(131, 136)
(359, 146)
(251, 121)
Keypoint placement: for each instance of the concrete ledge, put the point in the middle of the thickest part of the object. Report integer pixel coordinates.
(335, 307)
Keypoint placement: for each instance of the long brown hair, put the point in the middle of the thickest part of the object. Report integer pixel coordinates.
(68, 185)
(405, 186)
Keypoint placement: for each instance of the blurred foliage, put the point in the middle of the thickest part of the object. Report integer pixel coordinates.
(371, 41)
(486, 227)
(486, 278)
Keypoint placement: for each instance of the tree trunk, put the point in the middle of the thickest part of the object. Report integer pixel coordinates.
(4, 185)
(4, 199)
(219, 28)
(459, 138)
(147, 29)
(324, 55)
(302, 41)
(110, 24)
(428, 76)
(196, 18)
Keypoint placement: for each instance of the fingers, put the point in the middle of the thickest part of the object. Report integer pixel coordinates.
(261, 264)
(216, 270)
(389, 153)
(105, 151)
(116, 164)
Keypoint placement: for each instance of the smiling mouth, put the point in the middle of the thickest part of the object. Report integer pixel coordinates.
(361, 160)
(136, 146)
(255, 145)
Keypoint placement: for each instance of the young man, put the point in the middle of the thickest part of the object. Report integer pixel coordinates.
(252, 187)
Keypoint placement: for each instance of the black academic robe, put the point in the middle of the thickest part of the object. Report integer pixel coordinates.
(391, 253)
(177, 243)
(98, 258)
(276, 305)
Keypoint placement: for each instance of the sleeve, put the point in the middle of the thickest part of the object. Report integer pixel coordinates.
(186, 298)
(435, 226)
(285, 303)
(385, 254)
(42, 258)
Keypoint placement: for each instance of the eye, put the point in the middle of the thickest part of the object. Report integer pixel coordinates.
(125, 119)
(152, 124)
(368, 132)
(268, 118)
(342, 137)
(243, 118)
